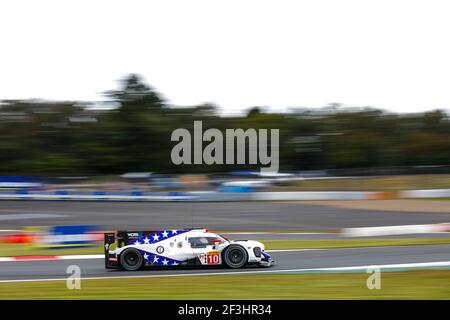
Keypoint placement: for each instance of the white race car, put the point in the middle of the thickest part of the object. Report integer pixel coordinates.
(186, 247)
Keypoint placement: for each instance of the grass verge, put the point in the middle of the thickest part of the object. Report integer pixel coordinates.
(351, 243)
(371, 183)
(394, 285)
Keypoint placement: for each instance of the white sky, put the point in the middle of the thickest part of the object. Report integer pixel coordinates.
(388, 54)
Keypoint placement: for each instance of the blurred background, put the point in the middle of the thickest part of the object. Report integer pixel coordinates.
(56, 141)
(91, 93)
(69, 150)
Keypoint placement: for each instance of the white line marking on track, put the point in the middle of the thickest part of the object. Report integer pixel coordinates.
(82, 257)
(279, 233)
(101, 256)
(297, 250)
(351, 268)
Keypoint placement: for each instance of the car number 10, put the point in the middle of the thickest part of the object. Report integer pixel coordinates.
(210, 258)
(213, 258)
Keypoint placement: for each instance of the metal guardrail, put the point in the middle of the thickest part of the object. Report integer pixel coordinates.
(205, 196)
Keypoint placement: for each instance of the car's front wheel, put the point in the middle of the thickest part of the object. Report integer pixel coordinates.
(131, 259)
(235, 256)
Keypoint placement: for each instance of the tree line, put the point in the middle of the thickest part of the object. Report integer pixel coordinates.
(72, 138)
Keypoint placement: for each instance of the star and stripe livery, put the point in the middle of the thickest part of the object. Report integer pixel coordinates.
(181, 247)
(156, 237)
(158, 260)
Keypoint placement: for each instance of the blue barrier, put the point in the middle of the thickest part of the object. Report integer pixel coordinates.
(75, 236)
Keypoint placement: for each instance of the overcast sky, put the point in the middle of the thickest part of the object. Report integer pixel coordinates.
(237, 54)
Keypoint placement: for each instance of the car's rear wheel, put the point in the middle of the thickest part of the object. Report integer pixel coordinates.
(131, 259)
(235, 256)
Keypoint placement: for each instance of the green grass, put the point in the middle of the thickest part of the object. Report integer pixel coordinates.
(350, 243)
(394, 285)
(9, 250)
(380, 183)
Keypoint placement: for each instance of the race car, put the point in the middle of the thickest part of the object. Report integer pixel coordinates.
(180, 247)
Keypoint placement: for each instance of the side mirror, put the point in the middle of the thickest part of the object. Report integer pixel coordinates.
(216, 242)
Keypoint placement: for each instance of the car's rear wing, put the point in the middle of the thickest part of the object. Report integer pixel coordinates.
(110, 260)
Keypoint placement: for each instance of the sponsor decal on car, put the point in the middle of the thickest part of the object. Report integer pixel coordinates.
(210, 258)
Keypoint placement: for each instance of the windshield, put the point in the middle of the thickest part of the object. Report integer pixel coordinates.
(202, 242)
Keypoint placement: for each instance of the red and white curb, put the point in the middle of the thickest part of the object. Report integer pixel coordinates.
(47, 258)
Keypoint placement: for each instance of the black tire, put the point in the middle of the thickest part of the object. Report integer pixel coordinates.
(235, 256)
(131, 259)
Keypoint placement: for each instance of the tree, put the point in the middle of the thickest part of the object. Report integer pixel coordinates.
(135, 96)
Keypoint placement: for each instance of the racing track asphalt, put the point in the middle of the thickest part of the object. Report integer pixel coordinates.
(235, 216)
(284, 261)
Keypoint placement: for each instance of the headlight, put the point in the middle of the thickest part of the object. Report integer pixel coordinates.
(257, 252)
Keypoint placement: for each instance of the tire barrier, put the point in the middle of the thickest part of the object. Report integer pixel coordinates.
(395, 230)
(430, 193)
